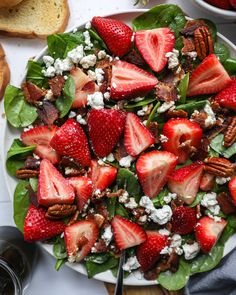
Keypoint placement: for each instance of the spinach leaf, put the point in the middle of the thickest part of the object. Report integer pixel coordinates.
(120, 210)
(222, 51)
(97, 40)
(111, 207)
(98, 258)
(59, 263)
(152, 114)
(183, 87)
(217, 145)
(212, 153)
(230, 65)
(158, 201)
(59, 248)
(175, 281)
(189, 107)
(64, 102)
(21, 203)
(94, 268)
(18, 112)
(34, 184)
(141, 103)
(197, 200)
(35, 75)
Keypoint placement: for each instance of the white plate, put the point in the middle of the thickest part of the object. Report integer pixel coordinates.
(11, 133)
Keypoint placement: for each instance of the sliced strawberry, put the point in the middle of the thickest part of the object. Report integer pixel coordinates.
(223, 4)
(183, 220)
(232, 189)
(70, 140)
(182, 134)
(137, 136)
(227, 97)
(83, 189)
(209, 77)
(207, 182)
(185, 181)
(153, 169)
(53, 188)
(80, 238)
(148, 252)
(37, 227)
(41, 137)
(129, 81)
(84, 86)
(233, 3)
(102, 175)
(208, 231)
(153, 46)
(114, 33)
(105, 129)
(126, 233)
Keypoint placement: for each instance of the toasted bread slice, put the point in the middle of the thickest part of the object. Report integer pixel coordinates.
(34, 18)
(4, 73)
(9, 3)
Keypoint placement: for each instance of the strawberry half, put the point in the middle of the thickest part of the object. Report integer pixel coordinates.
(84, 86)
(181, 133)
(70, 140)
(153, 169)
(209, 77)
(114, 33)
(153, 46)
(208, 231)
(83, 187)
(227, 97)
(207, 182)
(185, 181)
(126, 233)
(232, 189)
(79, 239)
(37, 227)
(102, 175)
(183, 220)
(105, 128)
(53, 188)
(129, 81)
(41, 137)
(148, 252)
(137, 136)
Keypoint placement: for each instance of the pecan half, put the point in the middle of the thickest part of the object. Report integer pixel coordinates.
(166, 92)
(203, 42)
(230, 133)
(32, 92)
(153, 127)
(219, 167)
(56, 84)
(189, 45)
(191, 26)
(177, 114)
(118, 193)
(59, 211)
(26, 173)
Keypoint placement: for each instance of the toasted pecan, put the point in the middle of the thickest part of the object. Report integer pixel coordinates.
(26, 173)
(219, 167)
(177, 114)
(230, 133)
(59, 211)
(203, 42)
(56, 84)
(189, 45)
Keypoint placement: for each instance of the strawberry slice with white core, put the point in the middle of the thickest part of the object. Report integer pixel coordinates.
(185, 181)
(83, 189)
(137, 136)
(41, 137)
(232, 189)
(127, 233)
(153, 169)
(208, 78)
(208, 231)
(102, 175)
(129, 81)
(227, 97)
(181, 133)
(53, 188)
(79, 239)
(153, 46)
(84, 86)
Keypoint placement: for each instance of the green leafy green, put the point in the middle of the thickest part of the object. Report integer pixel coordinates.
(152, 114)
(217, 145)
(183, 87)
(120, 210)
(98, 258)
(59, 263)
(34, 184)
(21, 203)
(97, 40)
(18, 112)
(95, 268)
(222, 51)
(229, 230)
(35, 75)
(59, 248)
(158, 201)
(189, 107)
(17, 148)
(198, 199)
(141, 103)
(230, 65)
(111, 207)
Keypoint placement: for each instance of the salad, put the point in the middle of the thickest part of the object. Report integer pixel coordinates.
(128, 144)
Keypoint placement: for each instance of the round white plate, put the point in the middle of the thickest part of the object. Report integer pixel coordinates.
(11, 133)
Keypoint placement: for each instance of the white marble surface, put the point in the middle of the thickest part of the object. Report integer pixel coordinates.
(66, 281)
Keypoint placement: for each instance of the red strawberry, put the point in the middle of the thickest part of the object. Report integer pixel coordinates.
(148, 252)
(223, 4)
(105, 128)
(153, 46)
(83, 188)
(41, 137)
(129, 81)
(80, 238)
(208, 231)
(114, 33)
(70, 140)
(207, 182)
(126, 233)
(232, 188)
(185, 181)
(181, 133)
(227, 97)
(84, 86)
(153, 169)
(102, 175)
(137, 136)
(209, 77)
(183, 220)
(53, 188)
(233, 3)
(37, 227)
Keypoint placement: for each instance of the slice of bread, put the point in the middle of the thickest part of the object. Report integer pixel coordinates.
(4, 72)
(34, 18)
(9, 3)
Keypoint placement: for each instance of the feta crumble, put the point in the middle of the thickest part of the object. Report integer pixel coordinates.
(126, 161)
(88, 61)
(49, 72)
(165, 106)
(88, 26)
(192, 54)
(164, 232)
(210, 202)
(131, 204)
(48, 60)
(95, 100)
(87, 40)
(173, 60)
(124, 198)
(222, 180)
(131, 264)
(143, 111)
(107, 95)
(107, 235)
(137, 99)
(81, 120)
(99, 74)
(191, 251)
(169, 198)
(102, 54)
(76, 54)
(142, 218)
(211, 119)
(62, 65)
(49, 95)
(163, 138)
(110, 158)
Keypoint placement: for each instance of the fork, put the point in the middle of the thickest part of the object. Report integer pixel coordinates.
(120, 276)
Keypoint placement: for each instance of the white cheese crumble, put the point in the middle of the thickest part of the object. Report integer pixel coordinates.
(170, 197)
(88, 61)
(95, 100)
(175, 245)
(131, 264)
(142, 218)
(97, 192)
(173, 60)
(165, 106)
(114, 85)
(88, 25)
(107, 235)
(48, 60)
(99, 74)
(124, 197)
(131, 204)
(164, 232)
(72, 114)
(137, 99)
(49, 72)
(102, 54)
(192, 54)
(143, 111)
(110, 158)
(107, 95)
(191, 251)
(62, 65)
(211, 119)
(49, 95)
(76, 54)
(126, 161)
(28, 128)
(87, 40)
(163, 138)
(210, 202)
(222, 180)
(81, 120)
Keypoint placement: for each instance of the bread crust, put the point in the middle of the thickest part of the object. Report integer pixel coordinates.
(4, 72)
(9, 3)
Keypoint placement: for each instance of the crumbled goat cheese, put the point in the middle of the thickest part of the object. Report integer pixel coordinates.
(131, 204)
(76, 54)
(192, 54)
(99, 73)
(87, 40)
(210, 202)
(97, 192)
(107, 235)
(72, 114)
(28, 128)
(175, 245)
(124, 198)
(49, 95)
(170, 197)
(165, 106)
(126, 161)
(145, 122)
(65, 77)
(143, 111)
(131, 264)
(163, 138)
(88, 61)
(137, 99)
(173, 60)
(211, 119)
(100, 162)
(147, 204)
(191, 251)
(222, 180)
(107, 95)
(81, 120)
(48, 60)
(102, 54)
(49, 72)
(142, 218)
(36, 157)
(92, 75)
(176, 241)
(114, 85)
(62, 65)
(95, 100)
(88, 26)
(164, 232)
(110, 158)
